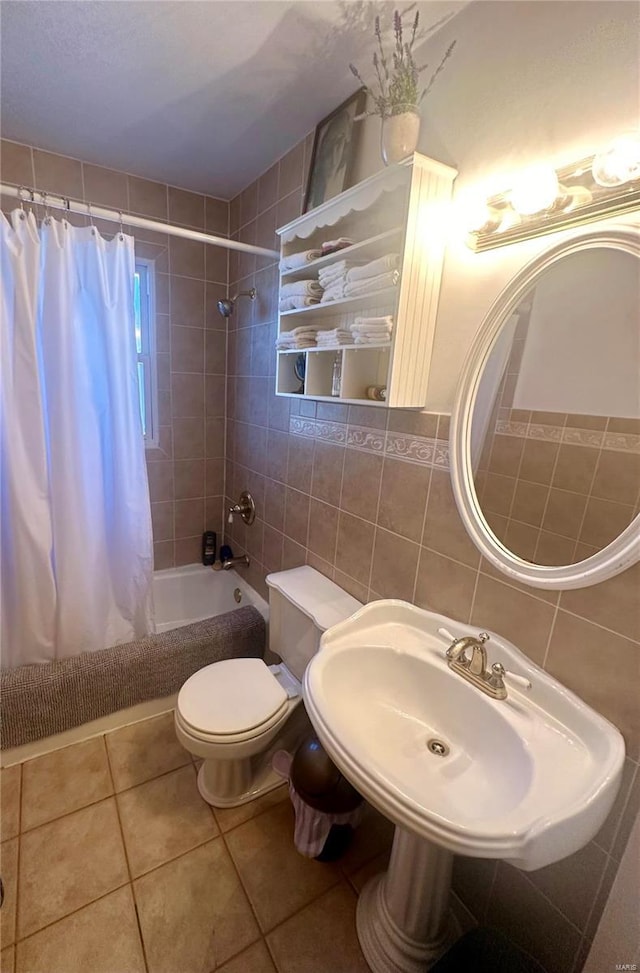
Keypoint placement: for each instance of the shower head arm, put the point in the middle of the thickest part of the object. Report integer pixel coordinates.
(226, 305)
(250, 294)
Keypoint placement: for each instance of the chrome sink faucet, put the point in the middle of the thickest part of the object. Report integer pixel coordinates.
(475, 668)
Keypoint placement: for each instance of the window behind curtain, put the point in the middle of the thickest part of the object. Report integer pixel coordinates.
(144, 307)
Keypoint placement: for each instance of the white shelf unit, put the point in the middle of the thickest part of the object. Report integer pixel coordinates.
(402, 209)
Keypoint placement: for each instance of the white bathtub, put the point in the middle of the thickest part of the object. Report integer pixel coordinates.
(188, 594)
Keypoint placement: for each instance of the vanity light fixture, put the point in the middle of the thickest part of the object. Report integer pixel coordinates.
(534, 190)
(543, 199)
(619, 163)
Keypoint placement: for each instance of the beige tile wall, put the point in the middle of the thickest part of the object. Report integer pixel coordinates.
(332, 491)
(186, 472)
(555, 488)
(557, 500)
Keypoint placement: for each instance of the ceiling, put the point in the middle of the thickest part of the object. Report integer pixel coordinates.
(202, 94)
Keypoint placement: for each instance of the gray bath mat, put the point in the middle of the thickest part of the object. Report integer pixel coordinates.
(39, 700)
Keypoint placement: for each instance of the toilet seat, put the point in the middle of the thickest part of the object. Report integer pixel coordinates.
(231, 701)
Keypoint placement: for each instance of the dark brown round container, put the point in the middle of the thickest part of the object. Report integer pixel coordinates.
(319, 782)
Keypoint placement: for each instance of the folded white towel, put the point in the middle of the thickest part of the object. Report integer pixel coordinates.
(296, 302)
(377, 333)
(302, 329)
(337, 335)
(386, 328)
(296, 260)
(381, 265)
(371, 340)
(339, 280)
(328, 274)
(335, 292)
(301, 288)
(296, 345)
(302, 337)
(333, 268)
(370, 284)
(363, 322)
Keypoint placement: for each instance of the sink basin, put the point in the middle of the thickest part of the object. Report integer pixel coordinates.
(529, 779)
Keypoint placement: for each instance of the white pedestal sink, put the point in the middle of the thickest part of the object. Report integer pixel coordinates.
(403, 915)
(529, 779)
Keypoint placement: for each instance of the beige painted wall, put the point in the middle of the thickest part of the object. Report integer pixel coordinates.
(538, 81)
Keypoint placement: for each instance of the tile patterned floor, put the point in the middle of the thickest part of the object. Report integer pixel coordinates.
(113, 863)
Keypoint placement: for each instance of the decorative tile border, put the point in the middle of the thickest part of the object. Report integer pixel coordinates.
(417, 449)
(594, 438)
(371, 440)
(627, 442)
(400, 446)
(330, 432)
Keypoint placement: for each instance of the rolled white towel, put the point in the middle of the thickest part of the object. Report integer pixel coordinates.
(301, 288)
(369, 284)
(381, 265)
(294, 261)
(296, 302)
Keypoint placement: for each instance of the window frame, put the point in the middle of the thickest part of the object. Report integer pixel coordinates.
(145, 269)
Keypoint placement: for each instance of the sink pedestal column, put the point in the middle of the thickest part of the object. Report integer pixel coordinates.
(403, 915)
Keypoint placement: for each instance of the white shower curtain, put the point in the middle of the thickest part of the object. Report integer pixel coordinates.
(76, 546)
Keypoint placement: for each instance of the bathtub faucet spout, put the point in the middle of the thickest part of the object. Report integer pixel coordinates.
(236, 562)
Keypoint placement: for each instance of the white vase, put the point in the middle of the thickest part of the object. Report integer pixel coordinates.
(399, 135)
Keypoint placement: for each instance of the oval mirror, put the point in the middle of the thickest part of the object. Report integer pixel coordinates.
(545, 437)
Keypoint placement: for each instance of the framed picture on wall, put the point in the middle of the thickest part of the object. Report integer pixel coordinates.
(334, 149)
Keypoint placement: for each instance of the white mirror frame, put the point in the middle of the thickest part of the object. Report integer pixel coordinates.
(621, 553)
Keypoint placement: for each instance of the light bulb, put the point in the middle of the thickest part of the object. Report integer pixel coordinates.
(619, 163)
(534, 190)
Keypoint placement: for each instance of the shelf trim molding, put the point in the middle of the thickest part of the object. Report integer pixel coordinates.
(360, 196)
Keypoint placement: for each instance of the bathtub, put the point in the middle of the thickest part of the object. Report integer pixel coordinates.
(120, 690)
(191, 593)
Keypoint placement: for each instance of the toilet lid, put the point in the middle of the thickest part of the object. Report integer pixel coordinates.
(232, 696)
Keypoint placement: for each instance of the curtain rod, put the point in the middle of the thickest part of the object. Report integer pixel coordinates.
(55, 201)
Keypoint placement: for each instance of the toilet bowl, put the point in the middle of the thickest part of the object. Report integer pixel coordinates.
(236, 713)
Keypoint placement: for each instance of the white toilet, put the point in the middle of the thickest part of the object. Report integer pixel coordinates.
(238, 712)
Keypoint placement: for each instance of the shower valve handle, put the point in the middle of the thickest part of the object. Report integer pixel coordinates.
(245, 507)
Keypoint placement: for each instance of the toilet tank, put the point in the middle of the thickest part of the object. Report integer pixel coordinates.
(302, 605)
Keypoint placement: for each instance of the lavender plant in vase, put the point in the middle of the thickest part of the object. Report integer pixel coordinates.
(396, 93)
